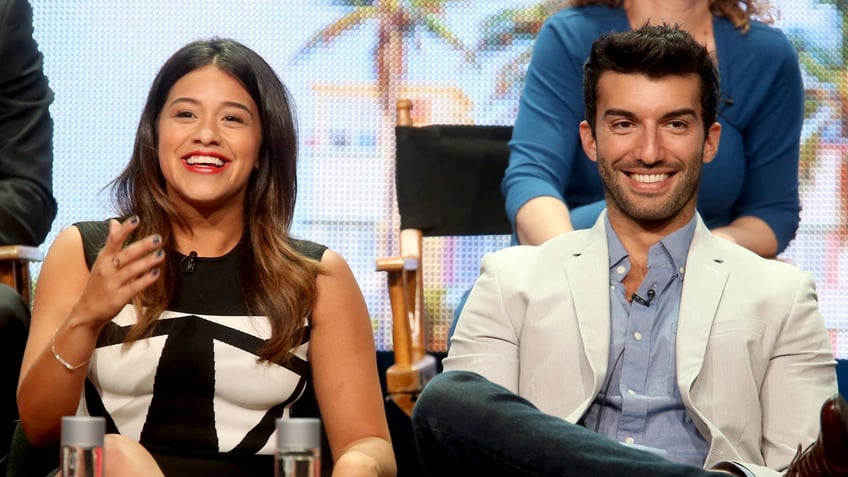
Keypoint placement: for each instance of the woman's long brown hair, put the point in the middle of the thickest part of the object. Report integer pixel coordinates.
(277, 281)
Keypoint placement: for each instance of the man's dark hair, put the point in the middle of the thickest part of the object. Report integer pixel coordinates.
(656, 52)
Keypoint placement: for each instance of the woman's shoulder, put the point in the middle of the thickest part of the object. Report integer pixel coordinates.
(577, 27)
(307, 248)
(590, 17)
(94, 234)
(761, 41)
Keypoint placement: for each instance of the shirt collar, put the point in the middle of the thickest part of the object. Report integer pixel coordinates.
(676, 245)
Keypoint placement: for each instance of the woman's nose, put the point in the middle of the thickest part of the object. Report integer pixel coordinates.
(206, 134)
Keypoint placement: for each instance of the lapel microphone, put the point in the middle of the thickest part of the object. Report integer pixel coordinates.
(646, 303)
(188, 263)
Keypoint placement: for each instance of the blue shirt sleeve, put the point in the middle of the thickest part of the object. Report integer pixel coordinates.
(546, 156)
(762, 74)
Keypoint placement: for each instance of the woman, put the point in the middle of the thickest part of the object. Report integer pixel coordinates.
(196, 321)
(748, 194)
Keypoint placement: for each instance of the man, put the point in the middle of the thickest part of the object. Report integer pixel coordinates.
(669, 348)
(27, 206)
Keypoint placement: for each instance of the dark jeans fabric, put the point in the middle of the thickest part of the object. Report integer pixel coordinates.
(466, 425)
(14, 323)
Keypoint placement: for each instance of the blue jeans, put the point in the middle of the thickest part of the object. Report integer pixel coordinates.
(466, 425)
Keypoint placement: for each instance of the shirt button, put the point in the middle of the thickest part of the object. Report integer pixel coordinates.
(631, 392)
(620, 270)
(629, 440)
(638, 336)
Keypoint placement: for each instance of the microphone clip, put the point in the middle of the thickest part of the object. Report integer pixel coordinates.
(646, 303)
(188, 263)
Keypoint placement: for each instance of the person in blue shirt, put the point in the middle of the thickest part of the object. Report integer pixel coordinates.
(644, 345)
(749, 192)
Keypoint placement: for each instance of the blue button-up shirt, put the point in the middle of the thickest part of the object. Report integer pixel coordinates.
(640, 403)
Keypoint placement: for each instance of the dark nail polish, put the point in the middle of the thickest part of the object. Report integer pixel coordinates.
(134, 219)
(159, 253)
(155, 272)
(157, 238)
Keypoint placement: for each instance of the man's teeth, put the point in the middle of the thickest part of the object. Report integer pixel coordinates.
(649, 178)
(205, 161)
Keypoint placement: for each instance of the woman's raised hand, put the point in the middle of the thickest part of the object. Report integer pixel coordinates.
(120, 272)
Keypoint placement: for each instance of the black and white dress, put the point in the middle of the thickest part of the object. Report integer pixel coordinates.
(194, 393)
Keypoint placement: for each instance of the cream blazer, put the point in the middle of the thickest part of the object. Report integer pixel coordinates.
(754, 361)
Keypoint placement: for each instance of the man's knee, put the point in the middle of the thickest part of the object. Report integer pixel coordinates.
(447, 394)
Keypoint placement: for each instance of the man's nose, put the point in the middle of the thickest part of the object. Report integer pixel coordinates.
(650, 148)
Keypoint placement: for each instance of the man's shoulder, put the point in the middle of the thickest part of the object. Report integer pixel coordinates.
(746, 264)
(566, 245)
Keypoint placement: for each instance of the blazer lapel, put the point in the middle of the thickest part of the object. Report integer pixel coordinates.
(587, 275)
(703, 284)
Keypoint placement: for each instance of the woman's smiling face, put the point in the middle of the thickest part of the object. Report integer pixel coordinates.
(209, 139)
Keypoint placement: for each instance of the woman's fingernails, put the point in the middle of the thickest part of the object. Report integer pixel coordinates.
(134, 219)
(157, 239)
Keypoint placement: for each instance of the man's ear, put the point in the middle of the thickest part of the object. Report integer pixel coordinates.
(711, 142)
(590, 145)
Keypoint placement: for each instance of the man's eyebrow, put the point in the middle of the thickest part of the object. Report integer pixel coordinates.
(618, 112)
(232, 104)
(677, 113)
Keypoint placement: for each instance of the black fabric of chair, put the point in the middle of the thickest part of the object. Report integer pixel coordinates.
(448, 179)
(27, 460)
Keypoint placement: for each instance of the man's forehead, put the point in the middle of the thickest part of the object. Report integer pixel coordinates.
(637, 90)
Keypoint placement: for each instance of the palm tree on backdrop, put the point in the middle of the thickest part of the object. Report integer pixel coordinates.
(399, 21)
(510, 27)
(827, 100)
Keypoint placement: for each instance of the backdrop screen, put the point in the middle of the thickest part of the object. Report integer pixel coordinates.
(462, 61)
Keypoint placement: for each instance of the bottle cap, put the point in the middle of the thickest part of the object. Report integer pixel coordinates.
(299, 432)
(83, 431)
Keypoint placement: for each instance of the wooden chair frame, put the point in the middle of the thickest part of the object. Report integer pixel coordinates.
(14, 268)
(413, 367)
(448, 184)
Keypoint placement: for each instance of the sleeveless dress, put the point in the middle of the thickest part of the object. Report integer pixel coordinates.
(193, 393)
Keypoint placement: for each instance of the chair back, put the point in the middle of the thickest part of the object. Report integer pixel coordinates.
(447, 179)
(14, 268)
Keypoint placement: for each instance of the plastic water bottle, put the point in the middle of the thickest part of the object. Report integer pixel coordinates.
(82, 446)
(298, 448)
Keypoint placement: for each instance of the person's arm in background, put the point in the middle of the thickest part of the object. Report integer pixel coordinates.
(550, 109)
(767, 212)
(27, 206)
(540, 219)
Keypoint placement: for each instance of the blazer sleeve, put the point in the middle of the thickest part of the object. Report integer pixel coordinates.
(486, 340)
(27, 206)
(799, 377)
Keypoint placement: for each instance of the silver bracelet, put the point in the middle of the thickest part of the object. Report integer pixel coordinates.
(67, 365)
